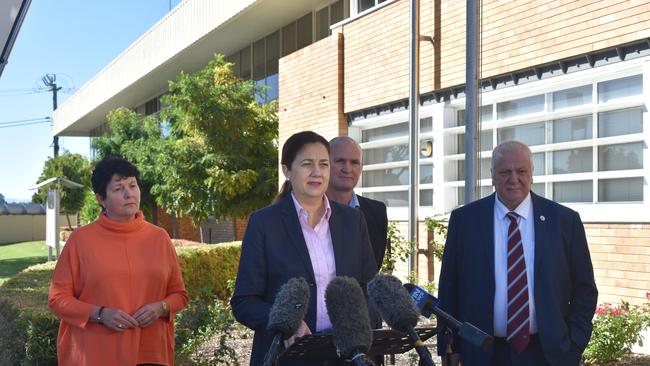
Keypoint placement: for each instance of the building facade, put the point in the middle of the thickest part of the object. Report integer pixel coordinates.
(571, 79)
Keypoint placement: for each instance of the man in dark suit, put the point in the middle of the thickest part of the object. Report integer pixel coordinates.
(517, 266)
(346, 166)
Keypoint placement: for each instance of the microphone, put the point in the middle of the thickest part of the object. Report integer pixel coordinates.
(428, 305)
(398, 310)
(288, 310)
(347, 309)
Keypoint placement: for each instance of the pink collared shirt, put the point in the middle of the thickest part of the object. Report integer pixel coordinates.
(321, 254)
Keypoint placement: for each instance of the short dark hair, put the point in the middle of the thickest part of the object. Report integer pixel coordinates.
(109, 166)
(290, 150)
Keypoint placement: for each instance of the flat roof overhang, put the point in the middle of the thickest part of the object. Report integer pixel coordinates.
(12, 14)
(184, 40)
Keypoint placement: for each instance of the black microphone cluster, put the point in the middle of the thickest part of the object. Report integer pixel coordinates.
(399, 305)
(347, 309)
(398, 310)
(287, 312)
(428, 305)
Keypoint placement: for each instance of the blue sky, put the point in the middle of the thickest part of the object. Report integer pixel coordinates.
(73, 39)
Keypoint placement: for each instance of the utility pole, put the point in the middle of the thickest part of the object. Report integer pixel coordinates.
(50, 81)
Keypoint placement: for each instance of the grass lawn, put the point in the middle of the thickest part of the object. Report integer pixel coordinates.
(18, 256)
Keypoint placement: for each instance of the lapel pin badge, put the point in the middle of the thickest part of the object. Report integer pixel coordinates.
(541, 217)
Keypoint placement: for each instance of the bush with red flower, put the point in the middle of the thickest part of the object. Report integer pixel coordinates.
(617, 328)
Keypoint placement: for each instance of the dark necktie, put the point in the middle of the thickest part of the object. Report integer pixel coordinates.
(518, 313)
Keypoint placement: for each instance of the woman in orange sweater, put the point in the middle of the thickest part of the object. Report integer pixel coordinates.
(117, 284)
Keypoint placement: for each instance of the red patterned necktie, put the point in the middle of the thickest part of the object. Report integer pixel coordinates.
(518, 313)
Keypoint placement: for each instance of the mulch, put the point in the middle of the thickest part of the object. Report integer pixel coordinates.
(242, 340)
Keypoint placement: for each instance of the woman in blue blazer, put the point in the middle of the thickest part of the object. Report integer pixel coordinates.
(302, 234)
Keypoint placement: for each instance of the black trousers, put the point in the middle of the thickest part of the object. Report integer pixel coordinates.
(532, 355)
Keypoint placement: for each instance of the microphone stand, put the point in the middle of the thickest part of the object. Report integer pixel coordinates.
(423, 352)
(269, 359)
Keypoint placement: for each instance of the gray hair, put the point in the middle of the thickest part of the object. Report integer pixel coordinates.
(509, 145)
(340, 139)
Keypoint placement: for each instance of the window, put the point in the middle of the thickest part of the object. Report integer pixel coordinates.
(587, 137)
(572, 161)
(304, 31)
(621, 122)
(566, 129)
(579, 191)
(245, 63)
(531, 134)
(259, 67)
(521, 106)
(288, 39)
(385, 153)
(620, 88)
(620, 157)
(572, 97)
(272, 59)
(322, 23)
(571, 129)
(620, 190)
(363, 5)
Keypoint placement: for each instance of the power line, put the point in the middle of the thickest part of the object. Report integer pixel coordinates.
(26, 122)
(24, 92)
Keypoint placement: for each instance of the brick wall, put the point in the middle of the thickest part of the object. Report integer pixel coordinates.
(186, 230)
(240, 228)
(516, 35)
(310, 92)
(621, 257)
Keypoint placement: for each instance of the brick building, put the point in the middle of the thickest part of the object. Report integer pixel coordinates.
(569, 78)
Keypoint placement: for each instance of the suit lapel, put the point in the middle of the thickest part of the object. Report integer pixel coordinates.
(486, 229)
(338, 238)
(541, 219)
(294, 231)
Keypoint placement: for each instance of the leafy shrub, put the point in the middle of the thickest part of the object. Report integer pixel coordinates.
(438, 226)
(28, 329)
(198, 323)
(91, 209)
(400, 249)
(207, 268)
(616, 330)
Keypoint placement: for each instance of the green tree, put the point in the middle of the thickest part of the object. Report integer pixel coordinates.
(138, 139)
(2, 199)
(74, 167)
(223, 157)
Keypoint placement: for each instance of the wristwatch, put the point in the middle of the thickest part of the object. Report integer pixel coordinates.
(165, 306)
(99, 314)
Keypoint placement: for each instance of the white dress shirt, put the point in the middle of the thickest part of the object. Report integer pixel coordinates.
(527, 230)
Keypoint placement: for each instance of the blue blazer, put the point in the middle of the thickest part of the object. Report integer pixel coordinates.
(274, 251)
(565, 290)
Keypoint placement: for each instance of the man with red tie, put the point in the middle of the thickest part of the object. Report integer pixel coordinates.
(517, 266)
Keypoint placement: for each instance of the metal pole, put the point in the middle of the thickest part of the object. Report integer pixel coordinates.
(414, 132)
(50, 81)
(54, 106)
(471, 101)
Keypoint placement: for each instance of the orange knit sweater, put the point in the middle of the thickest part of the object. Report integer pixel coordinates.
(121, 265)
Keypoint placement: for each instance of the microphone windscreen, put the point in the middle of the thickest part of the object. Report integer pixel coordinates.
(289, 307)
(393, 302)
(348, 312)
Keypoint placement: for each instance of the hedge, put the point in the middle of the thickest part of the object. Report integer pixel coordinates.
(28, 330)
